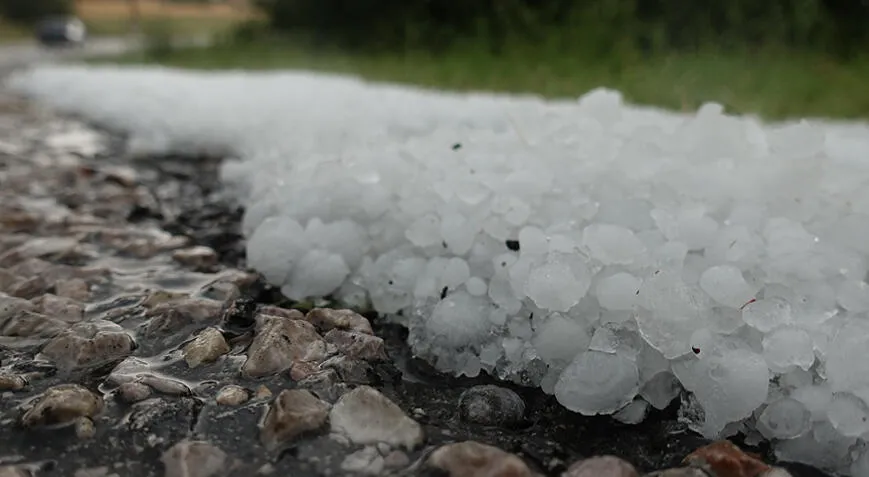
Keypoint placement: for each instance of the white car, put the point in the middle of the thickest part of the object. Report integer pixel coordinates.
(65, 30)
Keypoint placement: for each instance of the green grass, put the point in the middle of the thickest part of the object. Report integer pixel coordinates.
(10, 33)
(772, 85)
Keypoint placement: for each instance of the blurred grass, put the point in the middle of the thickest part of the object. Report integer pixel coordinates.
(13, 33)
(771, 84)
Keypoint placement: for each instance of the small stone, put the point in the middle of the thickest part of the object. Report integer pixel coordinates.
(194, 459)
(302, 369)
(364, 461)
(48, 248)
(205, 348)
(29, 288)
(325, 384)
(293, 413)
(60, 404)
(279, 343)
(326, 319)
(84, 428)
(12, 382)
(33, 325)
(396, 460)
(473, 459)
(601, 466)
(240, 315)
(776, 472)
(725, 459)
(491, 405)
(198, 257)
(89, 344)
(263, 392)
(165, 385)
(356, 345)
(350, 371)
(14, 471)
(133, 392)
(232, 395)
(73, 288)
(102, 471)
(290, 313)
(266, 469)
(365, 416)
(63, 308)
(12, 306)
(679, 472)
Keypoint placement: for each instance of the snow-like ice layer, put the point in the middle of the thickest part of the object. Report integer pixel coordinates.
(604, 252)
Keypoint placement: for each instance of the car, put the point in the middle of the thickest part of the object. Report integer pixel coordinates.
(61, 31)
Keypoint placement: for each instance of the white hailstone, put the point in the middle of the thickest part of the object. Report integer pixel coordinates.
(767, 314)
(726, 285)
(784, 418)
(618, 291)
(598, 383)
(612, 244)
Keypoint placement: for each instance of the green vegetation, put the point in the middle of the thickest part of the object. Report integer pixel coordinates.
(588, 27)
(28, 12)
(772, 84)
(778, 59)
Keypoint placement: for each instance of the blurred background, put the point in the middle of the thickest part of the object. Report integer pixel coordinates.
(774, 58)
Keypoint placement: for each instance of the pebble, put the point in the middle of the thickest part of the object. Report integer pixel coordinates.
(356, 345)
(74, 288)
(194, 459)
(85, 428)
(473, 459)
(396, 460)
(289, 313)
(292, 413)
(364, 461)
(726, 459)
(11, 306)
(365, 416)
(205, 348)
(350, 371)
(327, 319)
(232, 395)
(133, 392)
(198, 257)
(32, 325)
(63, 308)
(87, 344)
(165, 385)
(325, 384)
(28, 287)
(103, 471)
(263, 392)
(64, 403)
(12, 382)
(601, 466)
(279, 344)
(776, 472)
(491, 405)
(14, 471)
(680, 472)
